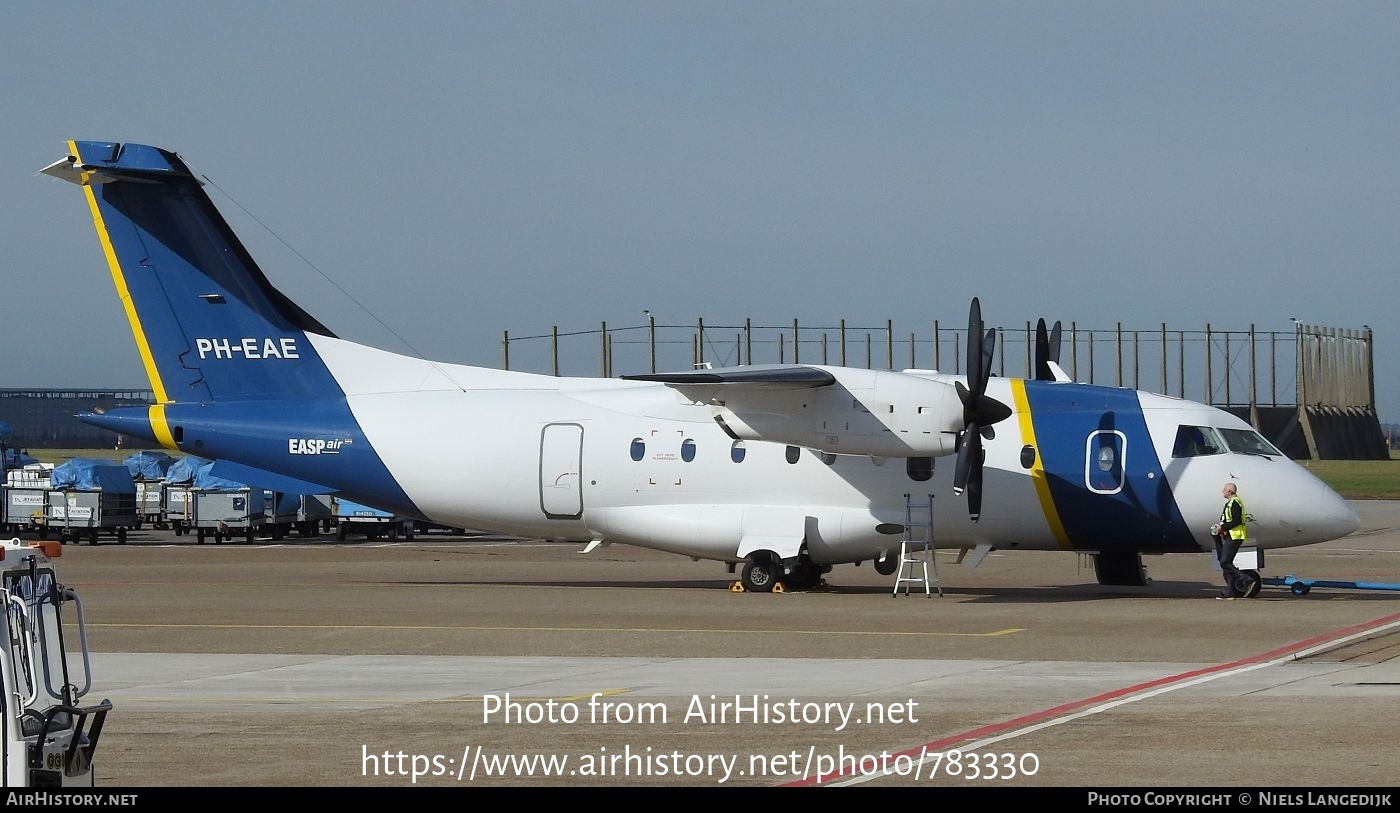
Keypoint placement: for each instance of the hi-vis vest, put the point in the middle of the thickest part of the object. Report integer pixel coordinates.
(1238, 531)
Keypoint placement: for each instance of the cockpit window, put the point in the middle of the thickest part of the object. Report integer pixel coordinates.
(1247, 441)
(1197, 441)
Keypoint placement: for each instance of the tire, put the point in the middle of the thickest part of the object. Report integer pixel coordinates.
(121, 536)
(340, 533)
(759, 576)
(1120, 569)
(804, 576)
(888, 565)
(1300, 589)
(1248, 584)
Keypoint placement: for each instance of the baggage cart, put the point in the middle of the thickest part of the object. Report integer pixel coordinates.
(228, 513)
(356, 518)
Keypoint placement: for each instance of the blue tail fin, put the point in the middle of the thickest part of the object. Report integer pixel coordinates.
(233, 362)
(208, 325)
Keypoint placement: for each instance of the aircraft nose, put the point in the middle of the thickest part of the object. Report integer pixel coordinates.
(1338, 518)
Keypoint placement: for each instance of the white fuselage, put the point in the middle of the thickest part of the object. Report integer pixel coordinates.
(639, 463)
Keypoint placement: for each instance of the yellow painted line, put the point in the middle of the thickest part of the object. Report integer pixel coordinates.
(993, 634)
(1042, 483)
(125, 295)
(573, 698)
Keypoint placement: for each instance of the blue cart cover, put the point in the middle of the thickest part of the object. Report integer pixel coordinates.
(89, 474)
(205, 481)
(148, 465)
(183, 470)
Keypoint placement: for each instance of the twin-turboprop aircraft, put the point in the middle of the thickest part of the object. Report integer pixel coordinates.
(786, 470)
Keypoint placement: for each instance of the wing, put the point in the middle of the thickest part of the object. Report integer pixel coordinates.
(772, 376)
(841, 410)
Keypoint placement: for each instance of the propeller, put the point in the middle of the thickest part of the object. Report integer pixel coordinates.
(980, 411)
(1047, 349)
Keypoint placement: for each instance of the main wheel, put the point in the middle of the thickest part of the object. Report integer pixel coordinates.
(804, 576)
(759, 576)
(888, 565)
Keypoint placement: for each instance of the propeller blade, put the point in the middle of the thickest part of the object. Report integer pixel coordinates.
(963, 469)
(974, 348)
(1047, 350)
(1042, 351)
(972, 446)
(989, 349)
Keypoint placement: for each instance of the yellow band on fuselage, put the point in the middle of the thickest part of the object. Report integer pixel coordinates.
(1042, 483)
(161, 427)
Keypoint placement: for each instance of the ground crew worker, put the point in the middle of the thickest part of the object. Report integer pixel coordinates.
(1229, 534)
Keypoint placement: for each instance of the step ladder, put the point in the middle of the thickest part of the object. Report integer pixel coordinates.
(916, 549)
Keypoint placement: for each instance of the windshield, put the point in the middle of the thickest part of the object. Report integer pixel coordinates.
(1195, 441)
(1247, 441)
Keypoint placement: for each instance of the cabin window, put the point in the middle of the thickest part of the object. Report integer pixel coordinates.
(737, 451)
(687, 450)
(828, 458)
(1247, 441)
(1198, 441)
(1027, 456)
(919, 468)
(1103, 463)
(639, 448)
(792, 454)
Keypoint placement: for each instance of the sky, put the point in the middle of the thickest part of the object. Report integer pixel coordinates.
(423, 176)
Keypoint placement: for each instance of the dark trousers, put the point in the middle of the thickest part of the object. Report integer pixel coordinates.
(1225, 550)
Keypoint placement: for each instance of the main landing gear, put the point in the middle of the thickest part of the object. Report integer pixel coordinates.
(765, 573)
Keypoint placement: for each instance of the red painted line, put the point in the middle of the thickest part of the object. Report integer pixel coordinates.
(1078, 705)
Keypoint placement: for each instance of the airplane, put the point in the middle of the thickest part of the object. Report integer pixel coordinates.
(785, 470)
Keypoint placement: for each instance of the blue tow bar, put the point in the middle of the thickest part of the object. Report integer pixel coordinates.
(1300, 587)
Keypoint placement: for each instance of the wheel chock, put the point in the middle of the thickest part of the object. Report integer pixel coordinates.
(736, 587)
(778, 588)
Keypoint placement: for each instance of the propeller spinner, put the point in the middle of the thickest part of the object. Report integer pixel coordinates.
(980, 411)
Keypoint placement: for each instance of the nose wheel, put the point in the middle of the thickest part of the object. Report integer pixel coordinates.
(1247, 584)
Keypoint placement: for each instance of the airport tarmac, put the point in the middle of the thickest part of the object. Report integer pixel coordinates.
(494, 661)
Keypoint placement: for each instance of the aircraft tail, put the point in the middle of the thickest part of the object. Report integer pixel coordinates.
(207, 323)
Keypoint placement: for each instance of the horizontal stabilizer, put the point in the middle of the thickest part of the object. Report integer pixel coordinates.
(259, 478)
(786, 375)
